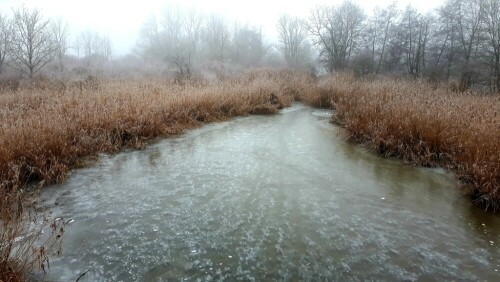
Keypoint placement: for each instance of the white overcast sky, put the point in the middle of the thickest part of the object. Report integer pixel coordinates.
(121, 20)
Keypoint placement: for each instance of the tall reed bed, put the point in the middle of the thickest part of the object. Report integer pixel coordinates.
(49, 128)
(46, 131)
(422, 124)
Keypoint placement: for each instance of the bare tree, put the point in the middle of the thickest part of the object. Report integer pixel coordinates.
(293, 40)
(149, 43)
(87, 39)
(96, 48)
(189, 41)
(491, 18)
(175, 39)
(414, 31)
(32, 42)
(247, 45)
(446, 36)
(371, 37)
(192, 26)
(107, 48)
(60, 33)
(336, 31)
(181, 36)
(384, 24)
(321, 30)
(77, 46)
(172, 41)
(216, 38)
(469, 15)
(5, 40)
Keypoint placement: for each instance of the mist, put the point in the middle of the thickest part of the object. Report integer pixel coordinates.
(435, 40)
(101, 109)
(122, 20)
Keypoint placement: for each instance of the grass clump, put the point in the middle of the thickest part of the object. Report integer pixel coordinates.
(27, 240)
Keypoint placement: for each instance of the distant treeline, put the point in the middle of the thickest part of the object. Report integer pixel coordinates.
(459, 41)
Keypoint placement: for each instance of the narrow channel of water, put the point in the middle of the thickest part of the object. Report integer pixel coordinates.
(268, 198)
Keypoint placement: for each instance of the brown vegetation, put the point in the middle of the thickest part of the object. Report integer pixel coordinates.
(50, 127)
(422, 124)
(28, 241)
(9, 82)
(44, 132)
(46, 129)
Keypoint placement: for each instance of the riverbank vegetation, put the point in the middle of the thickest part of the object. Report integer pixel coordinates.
(44, 132)
(423, 124)
(419, 87)
(50, 127)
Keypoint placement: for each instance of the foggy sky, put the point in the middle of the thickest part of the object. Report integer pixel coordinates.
(122, 20)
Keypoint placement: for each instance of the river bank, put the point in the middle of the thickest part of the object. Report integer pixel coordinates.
(278, 197)
(48, 130)
(421, 124)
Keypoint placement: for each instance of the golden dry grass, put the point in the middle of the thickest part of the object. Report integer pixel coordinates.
(421, 124)
(44, 133)
(49, 128)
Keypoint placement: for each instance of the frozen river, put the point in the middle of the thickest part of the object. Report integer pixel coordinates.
(259, 198)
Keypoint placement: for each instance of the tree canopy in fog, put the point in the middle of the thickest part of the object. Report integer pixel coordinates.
(184, 38)
(60, 33)
(293, 41)
(32, 45)
(336, 32)
(5, 40)
(460, 41)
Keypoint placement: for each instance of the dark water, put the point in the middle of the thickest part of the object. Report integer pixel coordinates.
(268, 198)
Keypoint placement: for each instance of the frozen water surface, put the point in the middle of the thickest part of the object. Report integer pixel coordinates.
(268, 198)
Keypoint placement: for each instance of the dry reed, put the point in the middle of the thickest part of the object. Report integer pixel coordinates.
(47, 130)
(422, 124)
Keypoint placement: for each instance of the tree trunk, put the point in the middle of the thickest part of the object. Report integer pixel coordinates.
(497, 72)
